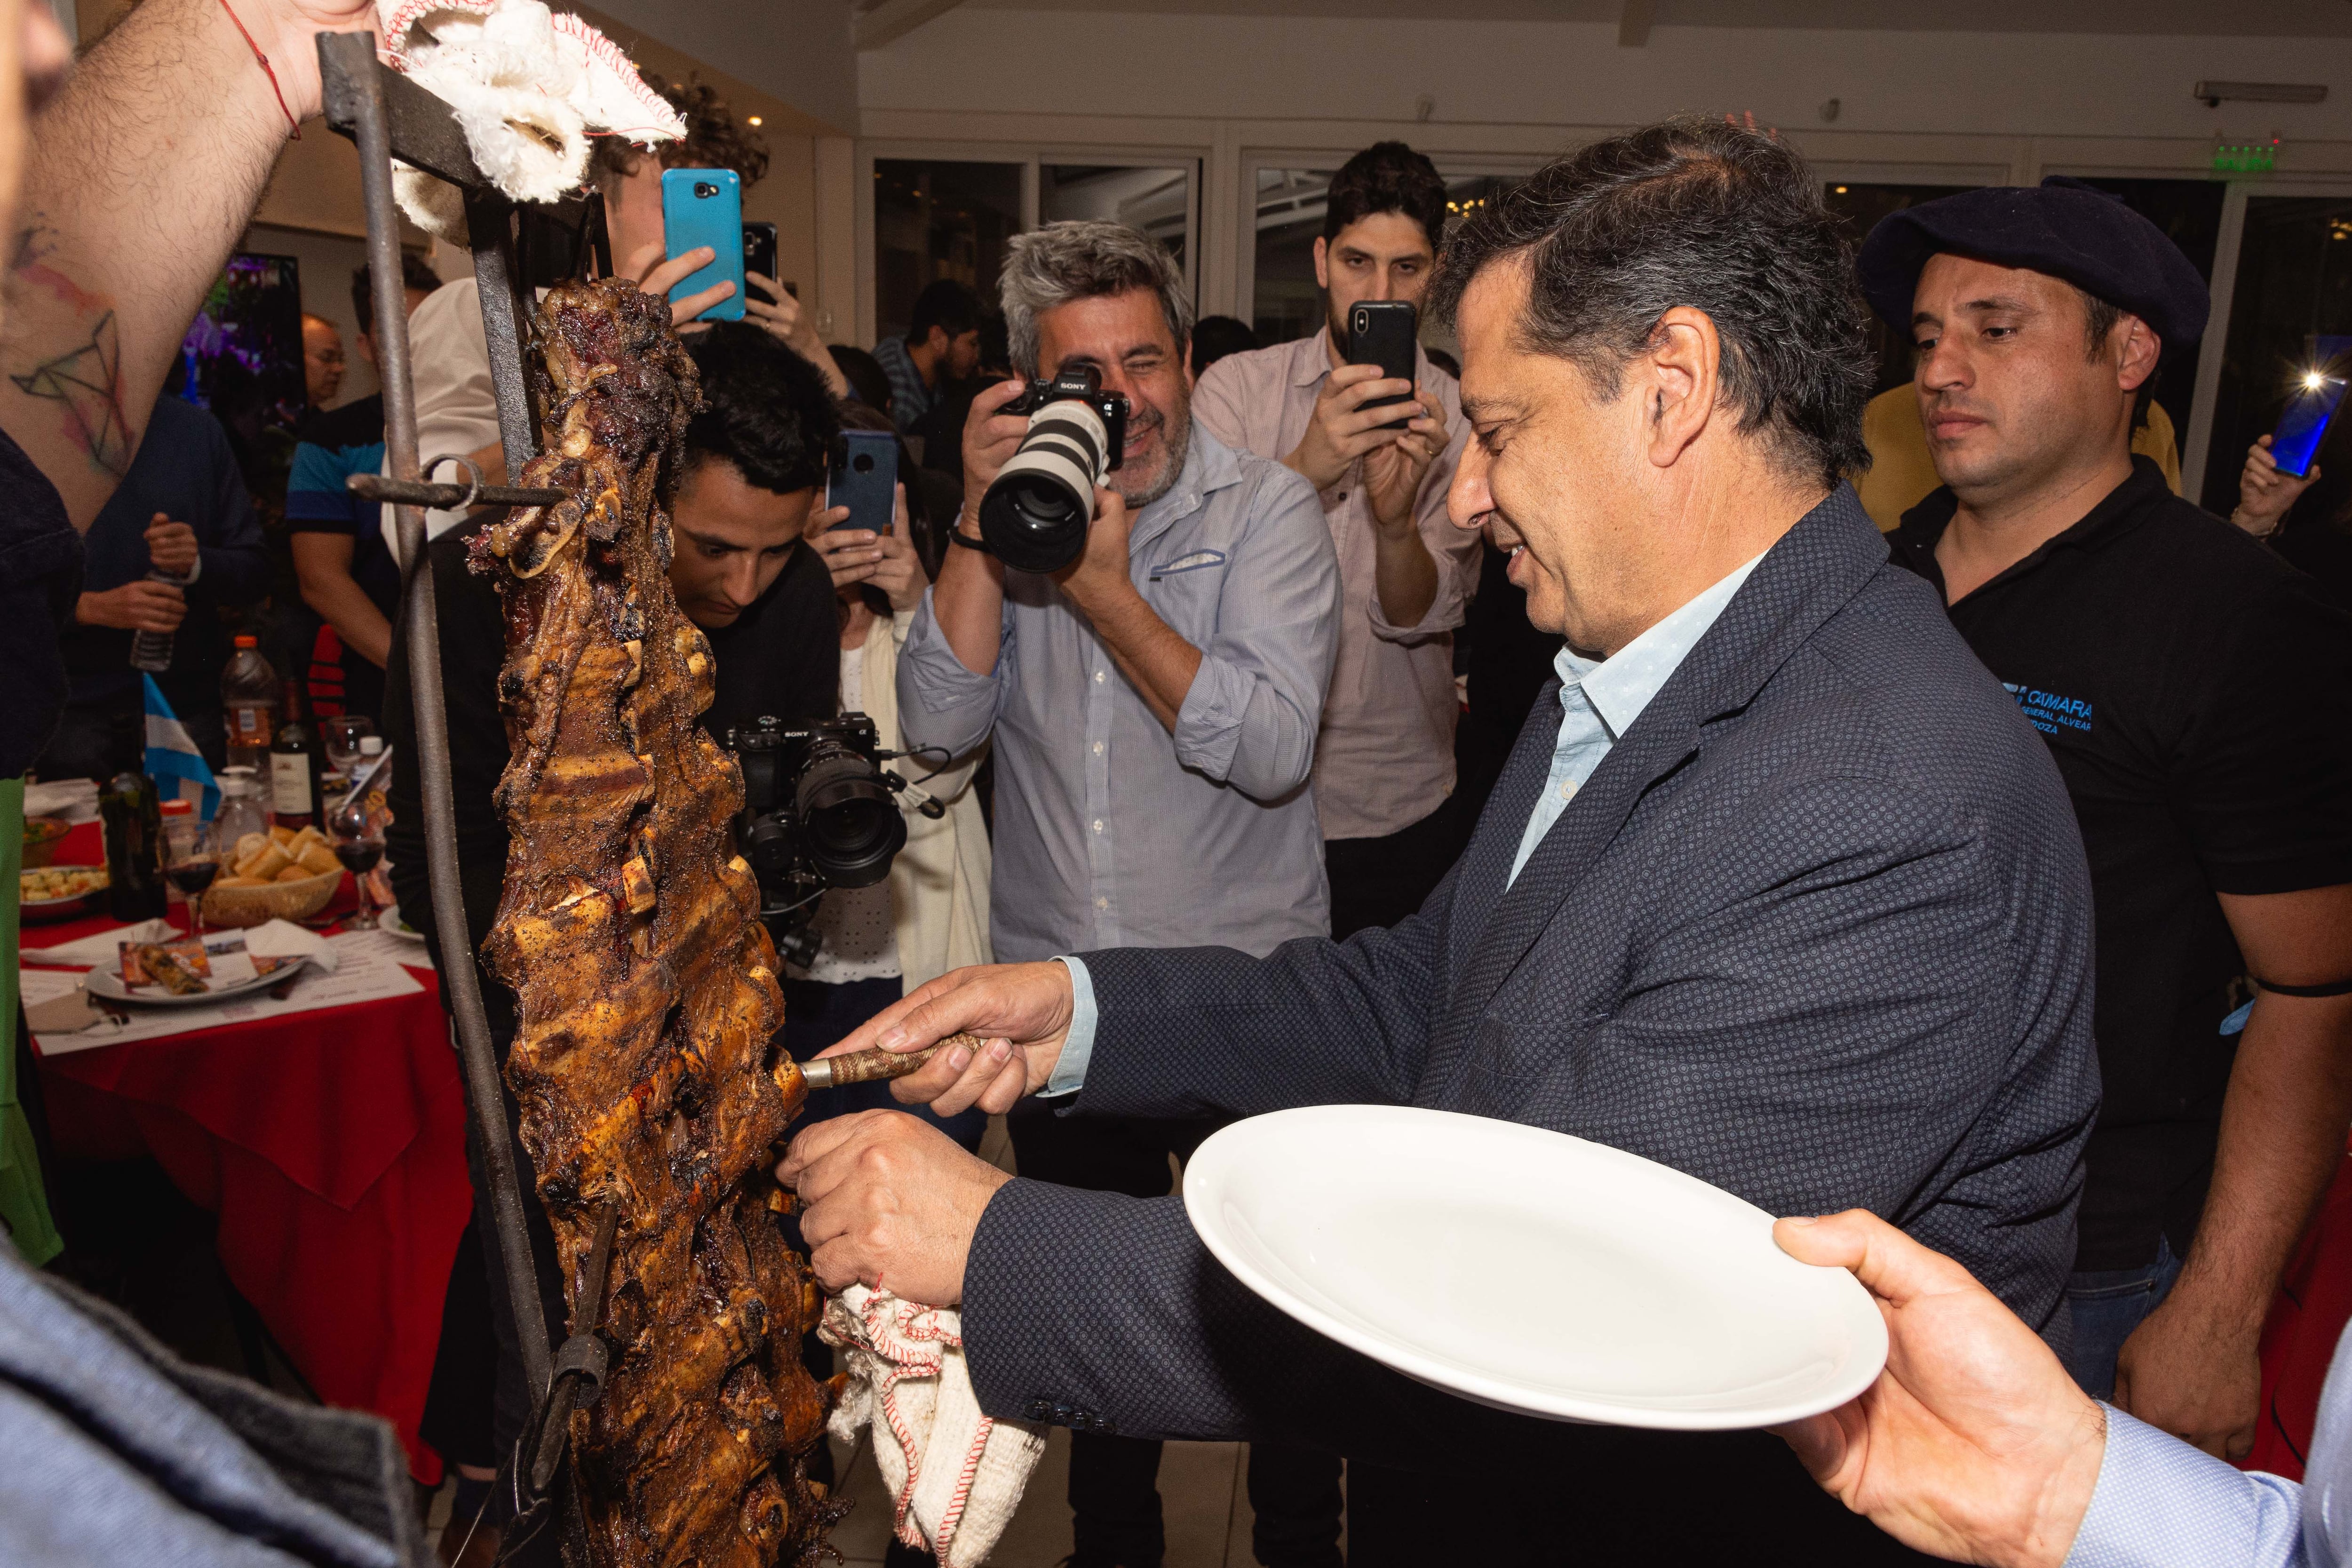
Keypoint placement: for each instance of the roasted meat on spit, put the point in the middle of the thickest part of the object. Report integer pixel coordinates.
(627, 928)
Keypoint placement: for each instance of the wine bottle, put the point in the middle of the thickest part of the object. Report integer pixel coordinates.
(294, 766)
(135, 855)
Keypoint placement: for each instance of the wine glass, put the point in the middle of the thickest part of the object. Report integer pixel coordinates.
(190, 859)
(359, 845)
(341, 736)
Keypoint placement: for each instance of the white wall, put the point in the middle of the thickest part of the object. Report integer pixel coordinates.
(1575, 74)
(797, 49)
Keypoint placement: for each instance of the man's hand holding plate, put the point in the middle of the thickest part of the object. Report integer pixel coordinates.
(1973, 1445)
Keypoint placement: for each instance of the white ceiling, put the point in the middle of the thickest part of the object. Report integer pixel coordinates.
(2243, 18)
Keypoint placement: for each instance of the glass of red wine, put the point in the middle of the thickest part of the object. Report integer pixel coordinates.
(190, 859)
(359, 845)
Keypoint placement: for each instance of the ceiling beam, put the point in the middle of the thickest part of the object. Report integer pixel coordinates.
(1634, 23)
(894, 19)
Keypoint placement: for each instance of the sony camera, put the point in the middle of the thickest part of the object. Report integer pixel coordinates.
(818, 813)
(1034, 517)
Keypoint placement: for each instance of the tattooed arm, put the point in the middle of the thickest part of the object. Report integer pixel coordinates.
(142, 174)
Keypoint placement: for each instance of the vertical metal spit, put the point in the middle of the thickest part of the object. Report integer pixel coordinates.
(359, 94)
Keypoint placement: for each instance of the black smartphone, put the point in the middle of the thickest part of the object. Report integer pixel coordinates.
(2305, 423)
(864, 478)
(1382, 332)
(760, 249)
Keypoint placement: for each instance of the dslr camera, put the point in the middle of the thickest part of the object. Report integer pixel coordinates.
(817, 813)
(1034, 517)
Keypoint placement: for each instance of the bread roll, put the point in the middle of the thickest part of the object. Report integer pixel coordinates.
(294, 874)
(281, 836)
(266, 866)
(251, 845)
(318, 859)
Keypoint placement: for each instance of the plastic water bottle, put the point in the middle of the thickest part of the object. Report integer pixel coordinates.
(151, 651)
(250, 703)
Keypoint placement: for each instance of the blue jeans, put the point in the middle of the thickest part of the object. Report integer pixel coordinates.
(2107, 1304)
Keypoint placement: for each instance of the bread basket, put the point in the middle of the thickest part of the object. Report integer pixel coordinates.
(273, 901)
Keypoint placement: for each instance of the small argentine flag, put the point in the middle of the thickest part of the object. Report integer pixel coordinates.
(171, 755)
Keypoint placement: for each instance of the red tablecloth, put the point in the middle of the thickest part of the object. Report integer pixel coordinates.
(2315, 1300)
(331, 1145)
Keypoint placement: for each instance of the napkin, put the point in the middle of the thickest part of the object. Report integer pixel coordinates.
(68, 800)
(955, 1475)
(284, 939)
(88, 951)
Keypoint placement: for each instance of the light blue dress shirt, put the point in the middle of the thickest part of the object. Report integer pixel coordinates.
(2160, 1503)
(1599, 700)
(1112, 830)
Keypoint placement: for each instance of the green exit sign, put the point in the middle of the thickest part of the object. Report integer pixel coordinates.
(2245, 157)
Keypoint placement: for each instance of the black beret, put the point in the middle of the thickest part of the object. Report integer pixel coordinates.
(2063, 227)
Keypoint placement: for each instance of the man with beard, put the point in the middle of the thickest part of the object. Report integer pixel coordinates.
(1154, 707)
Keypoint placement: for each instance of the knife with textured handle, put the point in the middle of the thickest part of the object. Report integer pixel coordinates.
(873, 1067)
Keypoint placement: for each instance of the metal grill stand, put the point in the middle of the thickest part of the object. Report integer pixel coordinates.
(389, 116)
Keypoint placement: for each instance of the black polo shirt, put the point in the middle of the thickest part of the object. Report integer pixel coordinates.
(2197, 693)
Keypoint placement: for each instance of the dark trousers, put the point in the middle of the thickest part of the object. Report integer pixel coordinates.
(1379, 882)
(1115, 1481)
(2106, 1305)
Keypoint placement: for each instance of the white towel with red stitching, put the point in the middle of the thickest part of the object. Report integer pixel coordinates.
(955, 1475)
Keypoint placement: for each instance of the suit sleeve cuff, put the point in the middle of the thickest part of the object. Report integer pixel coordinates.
(1078, 1048)
(2159, 1502)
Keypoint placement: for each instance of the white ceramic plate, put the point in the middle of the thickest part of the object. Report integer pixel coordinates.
(388, 922)
(1531, 1270)
(107, 983)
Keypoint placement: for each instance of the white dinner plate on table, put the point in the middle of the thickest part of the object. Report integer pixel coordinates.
(388, 922)
(1531, 1270)
(107, 983)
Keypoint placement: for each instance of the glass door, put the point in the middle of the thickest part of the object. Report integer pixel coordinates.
(2294, 287)
(936, 217)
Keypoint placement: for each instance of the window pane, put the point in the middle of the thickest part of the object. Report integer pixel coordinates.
(1862, 207)
(2295, 286)
(2189, 213)
(937, 218)
(1158, 201)
(1287, 302)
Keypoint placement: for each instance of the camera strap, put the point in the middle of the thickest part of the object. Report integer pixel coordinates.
(958, 536)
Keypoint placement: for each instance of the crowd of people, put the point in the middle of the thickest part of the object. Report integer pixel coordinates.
(1910, 811)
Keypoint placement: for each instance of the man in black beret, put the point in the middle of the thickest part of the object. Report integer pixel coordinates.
(2197, 693)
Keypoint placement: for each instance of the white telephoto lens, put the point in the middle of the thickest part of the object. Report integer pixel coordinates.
(1064, 445)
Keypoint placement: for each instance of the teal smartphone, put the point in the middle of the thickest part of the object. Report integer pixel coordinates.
(705, 207)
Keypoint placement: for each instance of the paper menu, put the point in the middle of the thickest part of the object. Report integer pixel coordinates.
(363, 976)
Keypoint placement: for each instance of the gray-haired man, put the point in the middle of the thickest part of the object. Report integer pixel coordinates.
(1154, 709)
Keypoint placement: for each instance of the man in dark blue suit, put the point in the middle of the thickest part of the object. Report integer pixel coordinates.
(1777, 889)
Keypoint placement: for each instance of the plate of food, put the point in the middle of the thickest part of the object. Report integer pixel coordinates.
(60, 892)
(1531, 1270)
(391, 924)
(42, 837)
(187, 973)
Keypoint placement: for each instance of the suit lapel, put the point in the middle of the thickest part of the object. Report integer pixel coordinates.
(1814, 569)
